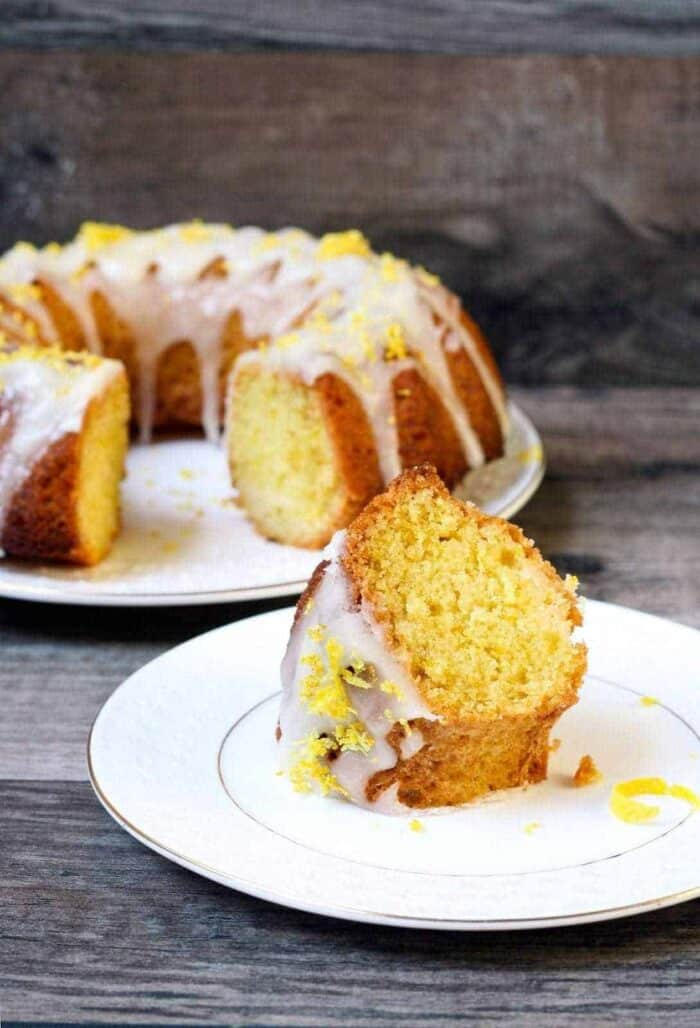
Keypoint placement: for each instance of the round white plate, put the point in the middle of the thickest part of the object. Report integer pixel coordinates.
(183, 756)
(184, 540)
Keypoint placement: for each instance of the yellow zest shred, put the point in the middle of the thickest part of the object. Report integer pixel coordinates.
(415, 825)
(390, 268)
(626, 807)
(23, 291)
(531, 827)
(649, 701)
(395, 347)
(54, 356)
(319, 320)
(359, 673)
(195, 231)
(95, 235)
(354, 737)
(80, 272)
(342, 244)
(310, 769)
(270, 241)
(392, 689)
(323, 690)
(285, 342)
(532, 455)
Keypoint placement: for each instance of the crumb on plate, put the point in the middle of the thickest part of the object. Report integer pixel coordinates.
(586, 773)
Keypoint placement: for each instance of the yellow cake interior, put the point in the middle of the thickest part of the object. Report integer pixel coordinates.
(483, 620)
(282, 458)
(103, 444)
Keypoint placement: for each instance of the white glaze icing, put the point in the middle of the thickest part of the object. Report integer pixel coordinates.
(360, 636)
(343, 306)
(41, 400)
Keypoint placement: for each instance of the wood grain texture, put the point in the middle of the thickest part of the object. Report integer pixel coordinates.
(559, 196)
(97, 928)
(443, 26)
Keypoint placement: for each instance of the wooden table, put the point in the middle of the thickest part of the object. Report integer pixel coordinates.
(96, 928)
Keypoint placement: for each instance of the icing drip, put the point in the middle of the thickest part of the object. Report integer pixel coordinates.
(356, 682)
(328, 306)
(41, 400)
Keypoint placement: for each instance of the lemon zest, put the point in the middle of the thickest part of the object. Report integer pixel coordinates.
(626, 807)
(343, 244)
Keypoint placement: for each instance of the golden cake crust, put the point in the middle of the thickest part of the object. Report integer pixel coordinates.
(461, 761)
(425, 430)
(42, 519)
(355, 452)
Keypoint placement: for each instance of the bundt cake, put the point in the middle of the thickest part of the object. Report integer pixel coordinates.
(347, 365)
(430, 656)
(63, 438)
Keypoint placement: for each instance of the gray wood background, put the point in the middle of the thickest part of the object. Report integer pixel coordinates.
(553, 181)
(559, 195)
(97, 929)
(441, 26)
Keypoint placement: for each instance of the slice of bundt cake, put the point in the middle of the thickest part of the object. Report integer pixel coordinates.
(63, 438)
(430, 656)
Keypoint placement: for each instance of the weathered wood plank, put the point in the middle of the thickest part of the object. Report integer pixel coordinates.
(443, 26)
(619, 508)
(97, 928)
(559, 196)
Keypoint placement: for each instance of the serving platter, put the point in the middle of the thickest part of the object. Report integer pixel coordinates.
(183, 756)
(185, 541)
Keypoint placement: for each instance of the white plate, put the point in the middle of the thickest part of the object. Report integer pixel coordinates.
(183, 757)
(184, 541)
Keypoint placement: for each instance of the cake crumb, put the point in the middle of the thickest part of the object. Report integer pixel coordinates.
(532, 827)
(554, 745)
(586, 773)
(415, 825)
(649, 701)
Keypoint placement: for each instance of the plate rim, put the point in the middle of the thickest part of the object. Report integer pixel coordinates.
(54, 590)
(358, 914)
